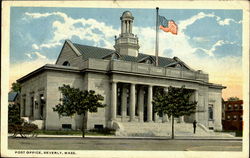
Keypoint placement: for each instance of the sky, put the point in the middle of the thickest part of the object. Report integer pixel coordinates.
(207, 40)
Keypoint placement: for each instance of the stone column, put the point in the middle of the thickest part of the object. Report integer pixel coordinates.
(141, 104)
(113, 100)
(149, 105)
(130, 27)
(132, 102)
(127, 27)
(196, 97)
(124, 102)
(217, 112)
(122, 27)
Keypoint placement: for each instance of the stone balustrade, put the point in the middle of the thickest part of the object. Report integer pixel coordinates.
(141, 68)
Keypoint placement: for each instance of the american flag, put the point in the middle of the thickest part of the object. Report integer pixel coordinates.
(168, 25)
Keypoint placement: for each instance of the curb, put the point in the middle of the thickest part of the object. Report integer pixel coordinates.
(152, 138)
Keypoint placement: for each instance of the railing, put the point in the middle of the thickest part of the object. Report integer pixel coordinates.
(126, 40)
(142, 68)
(153, 70)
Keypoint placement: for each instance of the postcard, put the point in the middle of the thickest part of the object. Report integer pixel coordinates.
(125, 79)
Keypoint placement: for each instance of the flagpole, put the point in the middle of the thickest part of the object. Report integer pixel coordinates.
(157, 36)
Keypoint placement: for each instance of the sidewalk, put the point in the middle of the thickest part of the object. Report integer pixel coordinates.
(137, 137)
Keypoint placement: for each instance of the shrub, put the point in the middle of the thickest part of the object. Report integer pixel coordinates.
(23, 129)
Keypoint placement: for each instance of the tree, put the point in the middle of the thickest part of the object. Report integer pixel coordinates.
(14, 114)
(233, 99)
(16, 87)
(75, 101)
(175, 103)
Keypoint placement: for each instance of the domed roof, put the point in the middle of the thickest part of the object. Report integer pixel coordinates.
(127, 14)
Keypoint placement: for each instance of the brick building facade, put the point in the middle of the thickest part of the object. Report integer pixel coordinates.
(233, 113)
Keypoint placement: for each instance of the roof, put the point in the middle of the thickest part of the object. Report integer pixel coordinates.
(92, 52)
(12, 96)
(234, 102)
(99, 53)
(49, 67)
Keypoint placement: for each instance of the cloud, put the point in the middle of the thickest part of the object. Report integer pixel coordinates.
(47, 45)
(35, 46)
(43, 15)
(90, 29)
(200, 39)
(187, 22)
(37, 54)
(226, 21)
(212, 50)
(29, 55)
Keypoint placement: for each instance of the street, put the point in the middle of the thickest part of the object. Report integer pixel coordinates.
(94, 143)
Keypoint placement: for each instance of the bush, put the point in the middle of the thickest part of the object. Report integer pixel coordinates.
(59, 132)
(24, 129)
(14, 114)
(238, 133)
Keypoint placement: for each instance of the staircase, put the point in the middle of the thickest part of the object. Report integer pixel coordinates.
(153, 129)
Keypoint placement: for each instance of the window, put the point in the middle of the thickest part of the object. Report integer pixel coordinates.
(236, 106)
(24, 107)
(148, 61)
(114, 56)
(241, 107)
(98, 127)
(41, 105)
(66, 126)
(228, 117)
(32, 106)
(119, 101)
(235, 117)
(229, 107)
(178, 66)
(210, 112)
(241, 117)
(66, 63)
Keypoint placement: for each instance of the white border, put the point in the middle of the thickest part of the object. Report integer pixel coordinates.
(127, 4)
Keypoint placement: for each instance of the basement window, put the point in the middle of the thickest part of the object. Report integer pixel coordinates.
(97, 126)
(66, 126)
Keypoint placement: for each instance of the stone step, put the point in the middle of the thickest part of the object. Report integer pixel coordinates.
(156, 129)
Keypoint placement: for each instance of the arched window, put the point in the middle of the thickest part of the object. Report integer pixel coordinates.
(66, 63)
(178, 66)
(114, 56)
(148, 61)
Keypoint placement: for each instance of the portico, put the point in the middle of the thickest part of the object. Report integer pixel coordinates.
(132, 102)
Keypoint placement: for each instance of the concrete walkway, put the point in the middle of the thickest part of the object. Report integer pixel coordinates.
(193, 137)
